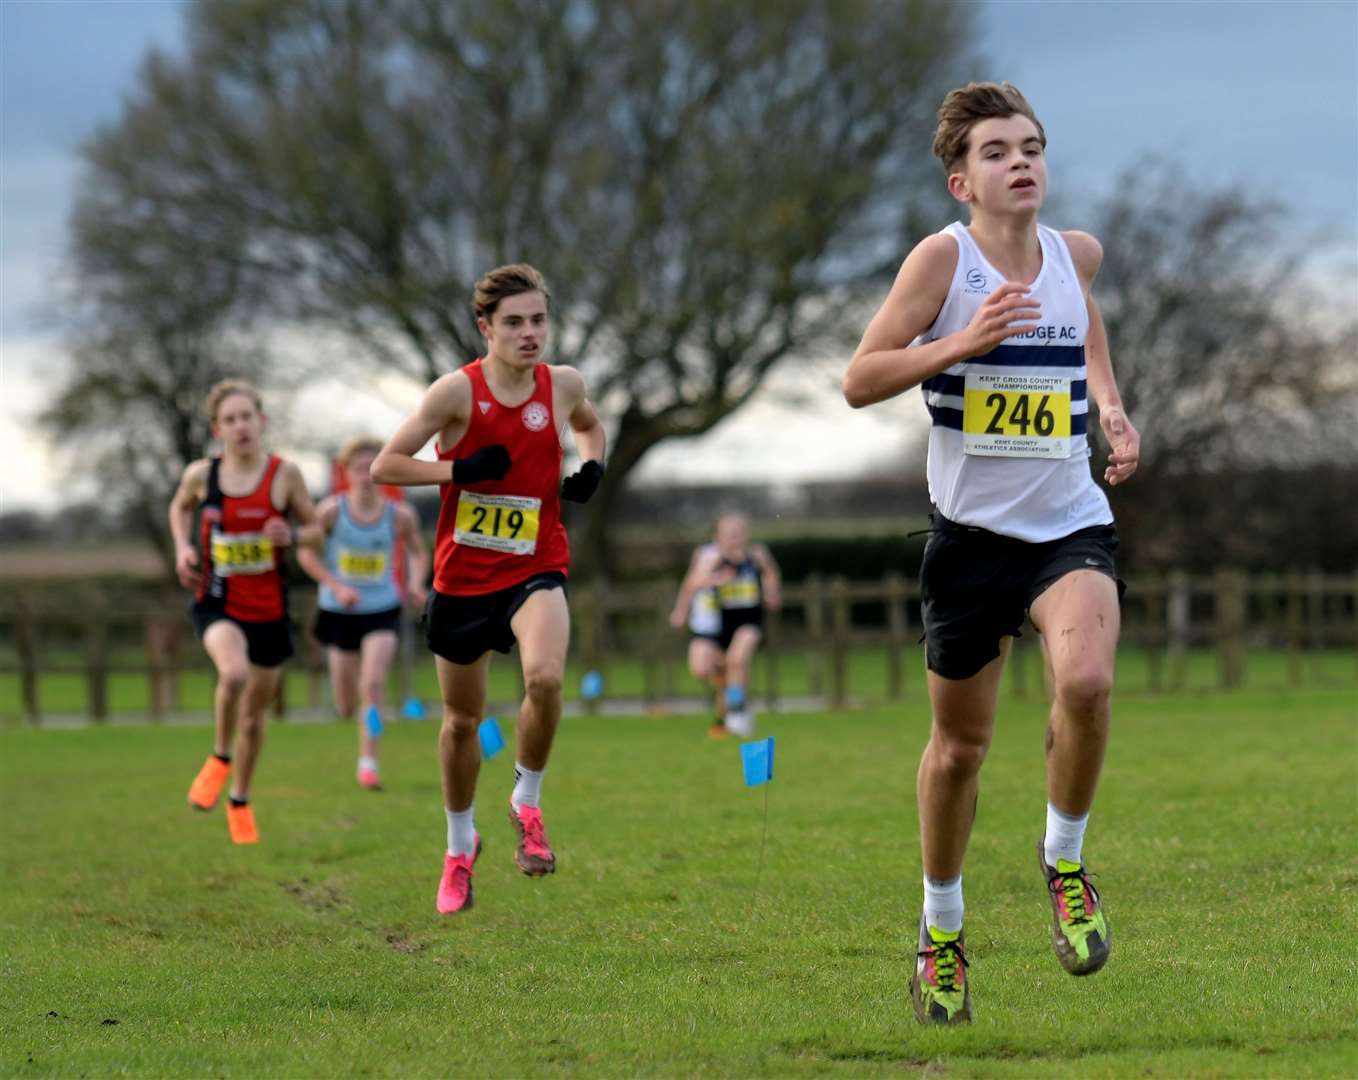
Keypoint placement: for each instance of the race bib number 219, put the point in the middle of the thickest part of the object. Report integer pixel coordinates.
(1016, 416)
(507, 523)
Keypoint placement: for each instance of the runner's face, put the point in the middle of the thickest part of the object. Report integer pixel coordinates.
(733, 537)
(360, 472)
(1006, 169)
(239, 425)
(516, 333)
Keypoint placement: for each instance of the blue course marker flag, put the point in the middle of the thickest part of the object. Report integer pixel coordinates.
(757, 758)
(413, 709)
(372, 720)
(492, 742)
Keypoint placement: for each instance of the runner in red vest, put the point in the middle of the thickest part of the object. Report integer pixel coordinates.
(500, 555)
(235, 571)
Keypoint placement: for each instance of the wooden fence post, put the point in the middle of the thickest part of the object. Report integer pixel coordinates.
(590, 606)
(94, 615)
(1315, 590)
(772, 643)
(162, 635)
(815, 634)
(897, 633)
(839, 642)
(1355, 628)
(1230, 627)
(1296, 627)
(1153, 635)
(1178, 616)
(26, 645)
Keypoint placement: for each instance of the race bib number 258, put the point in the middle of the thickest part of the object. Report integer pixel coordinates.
(1016, 416)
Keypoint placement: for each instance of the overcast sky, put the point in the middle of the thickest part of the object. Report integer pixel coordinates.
(1262, 93)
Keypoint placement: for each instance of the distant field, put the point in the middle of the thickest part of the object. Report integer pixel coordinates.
(27, 562)
(139, 941)
(65, 694)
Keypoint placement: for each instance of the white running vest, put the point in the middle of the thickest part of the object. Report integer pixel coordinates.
(1008, 449)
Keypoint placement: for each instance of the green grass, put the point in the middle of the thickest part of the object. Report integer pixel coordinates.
(66, 693)
(1223, 837)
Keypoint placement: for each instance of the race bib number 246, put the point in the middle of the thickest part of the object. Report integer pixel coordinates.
(1024, 416)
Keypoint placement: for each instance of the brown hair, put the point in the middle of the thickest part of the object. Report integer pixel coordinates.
(224, 390)
(357, 445)
(506, 281)
(967, 106)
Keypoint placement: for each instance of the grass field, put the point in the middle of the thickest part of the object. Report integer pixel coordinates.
(138, 940)
(66, 693)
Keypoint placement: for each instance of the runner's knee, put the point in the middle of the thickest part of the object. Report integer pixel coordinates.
(233, 678)
(459, 723)
(1084, 693)
(960, 756)
(542, 681)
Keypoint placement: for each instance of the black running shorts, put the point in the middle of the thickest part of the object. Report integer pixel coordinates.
(267, 644)
(462, 629)
(345, 630)
(976, 587)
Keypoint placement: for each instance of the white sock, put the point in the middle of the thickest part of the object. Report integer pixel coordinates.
(527, 786)
(461, 831)
(366, 763)
(1065, 836)
(943, 904)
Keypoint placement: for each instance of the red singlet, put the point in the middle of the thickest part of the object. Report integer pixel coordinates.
(494, 534)
(241, 567)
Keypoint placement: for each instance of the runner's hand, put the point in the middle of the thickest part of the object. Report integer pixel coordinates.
(186, 567)
(488, 463)
(418, 595)
(1124, 443)
(1009, 310)
(346, 595)
(578, 487)
(278, 531)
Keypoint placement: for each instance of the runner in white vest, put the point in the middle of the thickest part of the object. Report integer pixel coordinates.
(994, 320)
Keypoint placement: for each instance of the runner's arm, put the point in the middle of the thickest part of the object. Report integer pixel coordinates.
(417, 553)
(590, 438)
(445, 403)
(187, 497)
(770, 578)
(687, 588)
(309, 531)
(1123, 439)
(886, 364)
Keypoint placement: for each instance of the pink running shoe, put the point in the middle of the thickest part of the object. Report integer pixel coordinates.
(455, 887)
(367, 778)
(534, 855)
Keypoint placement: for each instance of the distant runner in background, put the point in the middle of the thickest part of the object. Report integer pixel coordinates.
(729, 583)
(359, 616)
(235, 570)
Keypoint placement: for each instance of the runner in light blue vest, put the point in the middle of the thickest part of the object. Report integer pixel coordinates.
(361, 593)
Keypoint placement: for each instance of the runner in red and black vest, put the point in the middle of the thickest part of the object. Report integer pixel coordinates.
(501, 556)
(235, 570)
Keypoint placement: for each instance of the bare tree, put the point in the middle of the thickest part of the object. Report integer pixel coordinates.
(703, 183)
(1229, 362)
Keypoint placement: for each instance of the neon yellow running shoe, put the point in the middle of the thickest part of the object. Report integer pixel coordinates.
(1080, 933)
(940, 989)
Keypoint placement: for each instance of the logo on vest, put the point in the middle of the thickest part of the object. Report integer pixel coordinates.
(535, 416)
(484, 406)
(252, 512)
(975, 280)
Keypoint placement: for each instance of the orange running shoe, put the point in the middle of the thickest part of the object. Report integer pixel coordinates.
(207, 785)
(241, 821)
